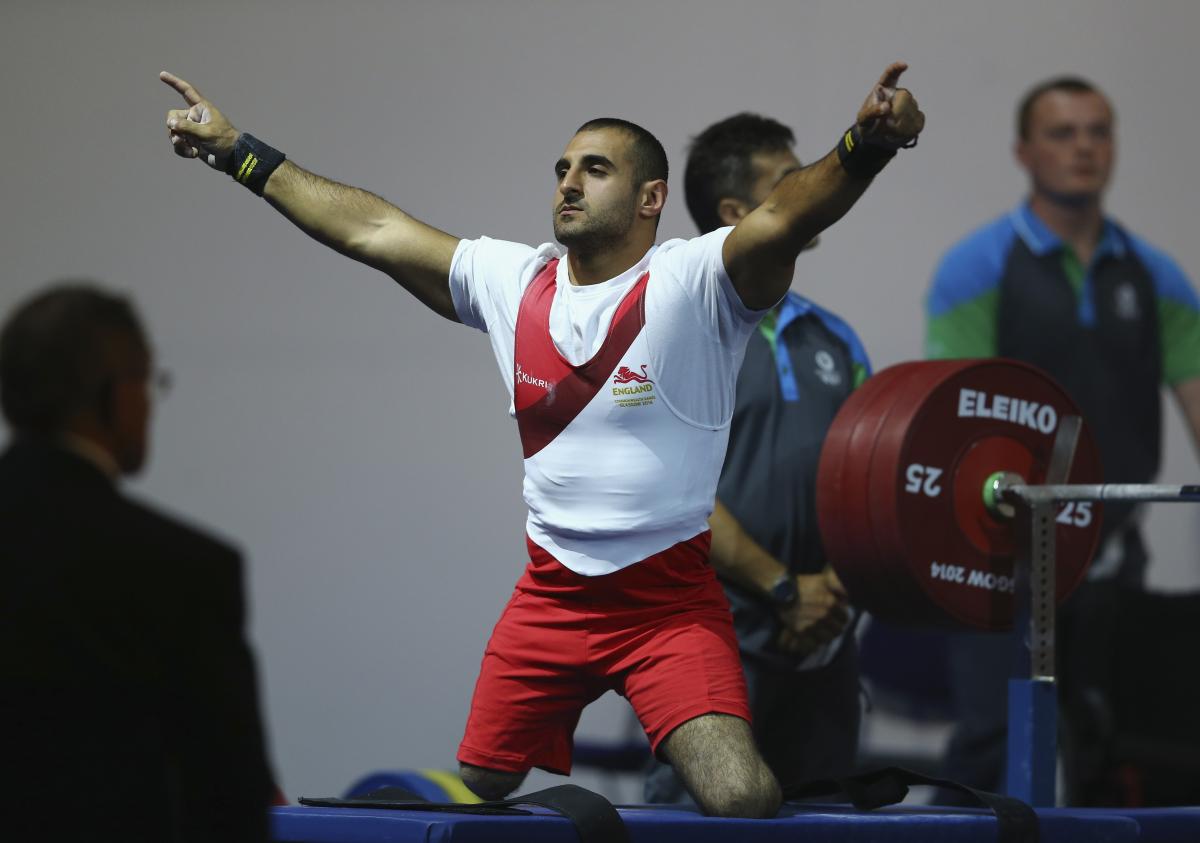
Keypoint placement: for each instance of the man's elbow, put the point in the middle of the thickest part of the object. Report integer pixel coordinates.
(781, 234)
(369, 241)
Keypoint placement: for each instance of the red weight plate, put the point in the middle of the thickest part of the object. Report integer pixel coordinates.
(859, 568)
(927, 476)
(831, 477)
(887, 516)
(912, 604)
(925, 480)
(929, 483)
(838, 534)
(841, 494)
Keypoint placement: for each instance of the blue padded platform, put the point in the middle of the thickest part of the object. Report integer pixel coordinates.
(653, 824)
(1160, 825)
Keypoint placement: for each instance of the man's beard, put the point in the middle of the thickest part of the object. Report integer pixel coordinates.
(598, 232)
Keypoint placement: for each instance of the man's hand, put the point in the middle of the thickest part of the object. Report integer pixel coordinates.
(889, 117)
(200, 130)
(817, 617)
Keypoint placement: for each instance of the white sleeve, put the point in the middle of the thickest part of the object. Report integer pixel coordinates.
(698, 267)
(697, 328)
(485, 280)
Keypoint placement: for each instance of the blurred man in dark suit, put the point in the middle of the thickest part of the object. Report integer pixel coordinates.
(128, 704)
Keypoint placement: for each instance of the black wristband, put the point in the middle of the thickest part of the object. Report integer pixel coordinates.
(860, 159)
(252, 162)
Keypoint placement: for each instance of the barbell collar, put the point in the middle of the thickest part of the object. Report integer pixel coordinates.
(993, 489)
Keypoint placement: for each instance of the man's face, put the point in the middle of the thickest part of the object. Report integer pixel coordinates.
(595, 201)
(1070, 149)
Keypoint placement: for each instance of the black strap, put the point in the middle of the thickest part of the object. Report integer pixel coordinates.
(1016, 821)
(594, 817)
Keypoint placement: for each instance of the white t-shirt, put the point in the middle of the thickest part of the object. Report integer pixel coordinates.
(595, 519)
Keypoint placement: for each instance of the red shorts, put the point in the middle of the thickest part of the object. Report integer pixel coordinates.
(658, 632)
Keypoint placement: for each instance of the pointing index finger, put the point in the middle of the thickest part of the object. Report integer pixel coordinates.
(892, 75)
(190, 94)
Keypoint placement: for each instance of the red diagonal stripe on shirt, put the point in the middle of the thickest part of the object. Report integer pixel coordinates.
(552, 392)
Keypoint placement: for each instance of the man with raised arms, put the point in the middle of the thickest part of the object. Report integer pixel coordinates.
(624, 348)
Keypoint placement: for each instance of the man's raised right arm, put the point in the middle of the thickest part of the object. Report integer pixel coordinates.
(353, 222)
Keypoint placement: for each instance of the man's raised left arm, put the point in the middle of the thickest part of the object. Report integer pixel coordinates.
(760, 253)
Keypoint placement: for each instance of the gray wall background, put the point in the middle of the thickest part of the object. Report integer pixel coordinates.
(356, 445)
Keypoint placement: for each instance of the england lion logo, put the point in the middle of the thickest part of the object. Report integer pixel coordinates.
(627, 375)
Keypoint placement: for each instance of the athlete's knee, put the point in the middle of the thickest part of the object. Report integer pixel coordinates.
(716, 757)
(752, 797)
(489, 784)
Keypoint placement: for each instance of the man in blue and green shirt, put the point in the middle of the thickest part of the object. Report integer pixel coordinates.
(1059, 284)
(790, 611)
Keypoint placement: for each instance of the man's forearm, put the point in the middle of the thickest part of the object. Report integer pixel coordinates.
(760, 253)
(810, 200)
(738, 557)
(347, 219)
(354, 222)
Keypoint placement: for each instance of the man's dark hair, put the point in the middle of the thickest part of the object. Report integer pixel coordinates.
(60, 349)
(649, 157)
(1070, 84)
(719, 165)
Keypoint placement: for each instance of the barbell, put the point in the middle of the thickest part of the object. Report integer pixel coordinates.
(901, 502)
(967, 493)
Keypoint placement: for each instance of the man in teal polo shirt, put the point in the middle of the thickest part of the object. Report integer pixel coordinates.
(1059, 284)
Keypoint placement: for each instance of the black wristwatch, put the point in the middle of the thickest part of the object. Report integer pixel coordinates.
(784, 592)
